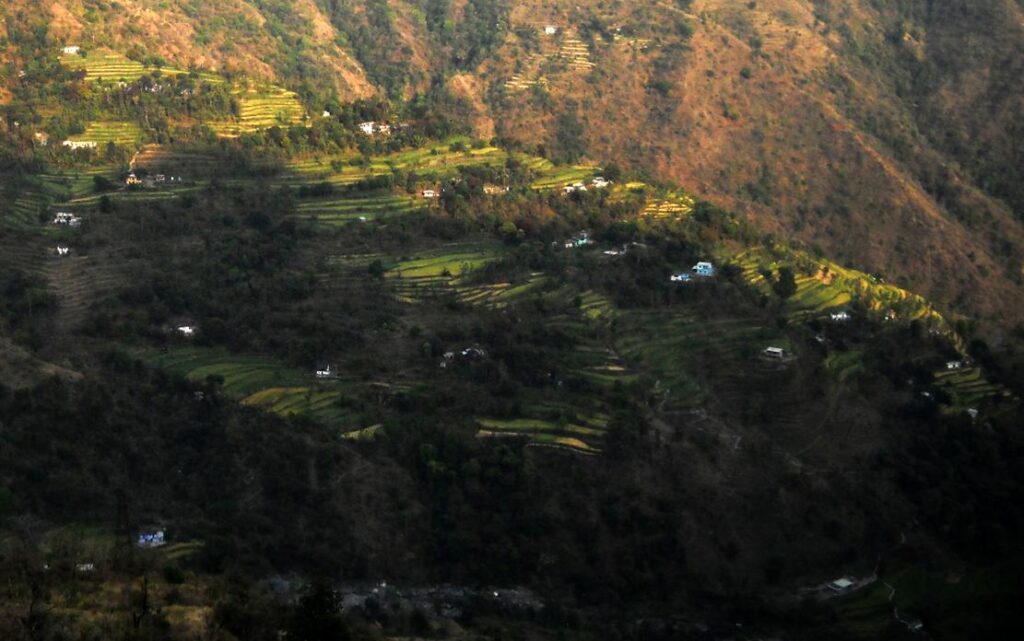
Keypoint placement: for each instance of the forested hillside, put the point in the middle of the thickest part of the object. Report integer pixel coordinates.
(481, 319)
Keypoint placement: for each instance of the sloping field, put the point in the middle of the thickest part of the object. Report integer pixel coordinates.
(823, 285)
(261, 109)
(104, 65)
(107, 131)
(366, 206)
(259, 382)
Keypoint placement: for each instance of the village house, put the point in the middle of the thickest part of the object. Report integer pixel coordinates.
(66, 218)
(550, 30)
(132, 180)
(574, 187)
(326, 114)
(774, 352)
(682, 277)
(704, 269)
(600, 182)
(79, 144)
(324, 371)
(429, 193)
(63, 250)
(71, 50)
(494, 190)
(186, 330)
(368, 128)
(151, 539)
(42, 138)
(953, 365)
(581, 239)
(841, 585)
(973, 413)
(840, 317)
(85, 568)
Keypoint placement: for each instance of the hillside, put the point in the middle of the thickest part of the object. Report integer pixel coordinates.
(854, 127)
(593, 321)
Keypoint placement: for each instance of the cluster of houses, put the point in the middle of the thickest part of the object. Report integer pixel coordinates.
(134, 181)
(598, 182)
(702, 269)
(67, 218)
(80, 144)
(370, 128)
(148, 539)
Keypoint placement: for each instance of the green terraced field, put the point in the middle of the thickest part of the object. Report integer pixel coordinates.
(366, 206)
(581, 434)
(823, 285)
(671, 347)
(558, 177)
(109, 66)
(262, 109)
(106, 131)
(259, 382)
(967, 388)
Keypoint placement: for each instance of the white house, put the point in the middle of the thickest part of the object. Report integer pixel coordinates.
(186, 330)
(775, 352)
(951, 365)
(151, 539)
(841, 585)
(429, 193)
(384, 129)
(574, 187)
(840, 317)
(682, 277)
(63, 250)
(326, 114)
(132, 179)
(704, 268)
(368, 127)
(494, 190)
(324, 372)
(600, 182)
(550, 30)
(71, 50)
(85, 568)
(79, 144)
(42, 138)
(973, 413)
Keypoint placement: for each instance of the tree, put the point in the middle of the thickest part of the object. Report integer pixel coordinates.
(316, 617)
(785, 286)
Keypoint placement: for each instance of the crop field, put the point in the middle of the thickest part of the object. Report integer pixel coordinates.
(558, 177)
(823, 285)
(967, 388)
(556, 424)
(109, 66)
(260, 382)
(673, 346)
(673, 206)
(103, 132)
(366, 206)
(262, 109)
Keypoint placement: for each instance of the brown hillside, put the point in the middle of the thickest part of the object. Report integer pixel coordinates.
(751, 115)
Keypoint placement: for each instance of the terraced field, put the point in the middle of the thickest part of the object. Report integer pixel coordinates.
(673, 346)
(823, 285)
(364, 207)
(109, 131)
(260, 382)
(968, 388)
(558, 177)
(104, 65)
(261, 109)
(579, 434)
(673, 206)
